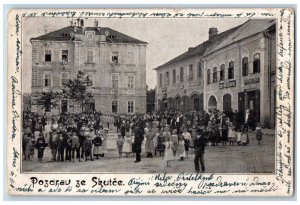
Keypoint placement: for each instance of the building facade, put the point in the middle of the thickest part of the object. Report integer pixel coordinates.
(239, 70)
(114, 62)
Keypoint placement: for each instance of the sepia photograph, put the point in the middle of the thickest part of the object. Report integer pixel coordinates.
(114, 97)
(177, 102)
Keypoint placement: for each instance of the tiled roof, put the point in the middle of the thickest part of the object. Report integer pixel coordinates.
(64, 35)
(249, 28)
(223, 39)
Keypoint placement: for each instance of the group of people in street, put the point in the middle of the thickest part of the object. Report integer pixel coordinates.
(170, 134)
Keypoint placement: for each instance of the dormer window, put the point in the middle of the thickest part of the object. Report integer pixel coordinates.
(65, 34)
(115, 57)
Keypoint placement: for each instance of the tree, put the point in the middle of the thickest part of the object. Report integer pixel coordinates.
(77, 89)
(47, 100)
(150, 99)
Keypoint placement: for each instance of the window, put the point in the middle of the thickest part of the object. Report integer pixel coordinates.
(200, 65)
(160, 80)
(231, 70)
(222, 72)
(47, 55)
(64, 55)
(130, 58)
(256, 63)
(245, 66)
(47, 80)
(89, 56)
(130, 81)
(215, 75)
(64, 78)
(191, 72)
(130, 106)
(115, 81)
(208, 76)
(89, 80)
(181, 74)
(174, 76)
(114, 106)
(115, 57)
(167, 78)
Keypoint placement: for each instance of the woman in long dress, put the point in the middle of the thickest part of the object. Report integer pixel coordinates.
(127, 146)
(169, 155)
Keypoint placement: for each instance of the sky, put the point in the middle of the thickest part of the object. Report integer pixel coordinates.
(166, 37)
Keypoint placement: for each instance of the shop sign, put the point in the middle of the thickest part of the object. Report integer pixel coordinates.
(251, 81)
(227, 84)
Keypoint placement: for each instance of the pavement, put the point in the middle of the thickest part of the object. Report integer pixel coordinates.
(253, 158)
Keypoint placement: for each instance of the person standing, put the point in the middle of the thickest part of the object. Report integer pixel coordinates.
(199, 145)
(138, 140)
(187, 141)
(127, 145)
(61, 144)
(75, 144)
(258, 133)
(180, 148)
(28, 146)
(40, 145)
(97, 146)
(120, 142)
(67, 136)
(53, 144)
(149, 146)
(168, 155)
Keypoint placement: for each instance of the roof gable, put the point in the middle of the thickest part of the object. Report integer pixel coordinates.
(64, 35)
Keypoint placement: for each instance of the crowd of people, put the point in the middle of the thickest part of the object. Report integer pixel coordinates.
(169, 134)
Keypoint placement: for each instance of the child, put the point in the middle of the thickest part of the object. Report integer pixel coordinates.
(244, 137)
(187, 141)
(258, 133)
(160, 143)
(238, 135)
(40, 145)
(231, 134)
(97, 146)
(120, 143)
(181, 148)
(169, 155)
(127, 147)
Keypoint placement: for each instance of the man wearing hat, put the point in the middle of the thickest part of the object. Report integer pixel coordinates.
(199, 145)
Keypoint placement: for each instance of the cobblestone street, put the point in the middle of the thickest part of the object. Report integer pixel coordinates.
(221, 159)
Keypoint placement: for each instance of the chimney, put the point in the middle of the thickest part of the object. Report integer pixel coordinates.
(212, 32)
(81, 23)
(95, 23)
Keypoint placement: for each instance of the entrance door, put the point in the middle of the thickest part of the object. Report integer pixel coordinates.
(64, 106)
(254, 103)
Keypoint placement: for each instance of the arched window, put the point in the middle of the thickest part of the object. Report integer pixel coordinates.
(245, 66)
(256, 63)
(208, 76)
(222, 72)
(226, 102)
(231, 70)
(215, 75)
(212, 103)
(181, 74)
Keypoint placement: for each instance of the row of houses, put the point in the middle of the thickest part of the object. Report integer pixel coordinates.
(232, 70)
